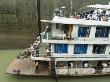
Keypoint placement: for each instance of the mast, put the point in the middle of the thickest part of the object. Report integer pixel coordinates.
(71, 8)
(39, 18)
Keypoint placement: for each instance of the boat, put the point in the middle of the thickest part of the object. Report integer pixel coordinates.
(72, 46)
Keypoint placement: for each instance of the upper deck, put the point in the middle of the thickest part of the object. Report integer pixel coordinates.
(79, 36)
(77, 31)
(91, 27)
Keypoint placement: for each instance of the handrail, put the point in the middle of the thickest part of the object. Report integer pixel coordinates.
(48, 35)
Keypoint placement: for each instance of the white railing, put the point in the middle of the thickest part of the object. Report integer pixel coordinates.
(48, 37)
(106, 70)
(41, 58)
(63, 36)
(81, 71)
(75, 71)
(79, 41)
(82, 55)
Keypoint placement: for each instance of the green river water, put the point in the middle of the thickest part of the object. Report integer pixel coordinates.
(7, 56)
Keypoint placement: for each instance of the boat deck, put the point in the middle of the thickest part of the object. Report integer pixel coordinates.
(27, 67)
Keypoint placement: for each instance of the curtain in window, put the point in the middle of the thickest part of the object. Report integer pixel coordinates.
(83, 31)
(60, 48)
(80, 48)
(102, 32)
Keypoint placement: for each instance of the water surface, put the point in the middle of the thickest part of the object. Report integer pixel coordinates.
(7, 56)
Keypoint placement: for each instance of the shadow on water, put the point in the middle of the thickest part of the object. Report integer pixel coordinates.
(105, 78)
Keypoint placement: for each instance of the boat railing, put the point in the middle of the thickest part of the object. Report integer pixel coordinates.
(93, 39)
(48, 36)
(75, 71)
(96, 16)
(41, 55)
(82, 70)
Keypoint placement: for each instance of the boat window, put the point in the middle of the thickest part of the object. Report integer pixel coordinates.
(83, 31)
(80, 48)
(61, 48)
(102, 32)
(99, 49)
(61, 27)
(58, 26)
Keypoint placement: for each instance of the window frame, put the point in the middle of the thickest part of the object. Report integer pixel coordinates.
(81, 49)
(100, 46)
(82, 33)
(61, 48)
(100, 32)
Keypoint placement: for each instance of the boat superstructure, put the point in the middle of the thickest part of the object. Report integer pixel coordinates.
(79, 45)
(75, 46)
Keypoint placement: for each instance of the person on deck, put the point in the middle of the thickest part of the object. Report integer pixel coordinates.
(48, 52)
(71, 64)
(36, 66)
(86, 65)
(104, 64)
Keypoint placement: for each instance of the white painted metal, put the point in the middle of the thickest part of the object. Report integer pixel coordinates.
(74, 71)
(80, 41)
(107, 50)
(81, 55)
(64, 20)
(61, 71)
(106, 70)
(89, 50)
(57, 32)
(90, 40)
(74, 33)
(92, 32)
(99, 6)
(40, 58)
(82, 59)
(70, 50)
(46, 21)
(86, 71)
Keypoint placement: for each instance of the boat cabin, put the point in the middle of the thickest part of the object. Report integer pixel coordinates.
(79, 45)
